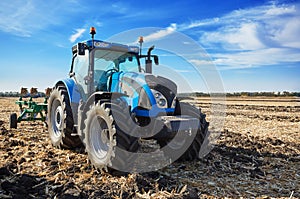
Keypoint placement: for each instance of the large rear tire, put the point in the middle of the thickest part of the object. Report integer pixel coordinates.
(60, 120)
(106, 138)
(193, 150)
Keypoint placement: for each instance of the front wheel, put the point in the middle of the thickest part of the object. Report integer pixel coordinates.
(193, 150)
(106, 136)
(99, 136)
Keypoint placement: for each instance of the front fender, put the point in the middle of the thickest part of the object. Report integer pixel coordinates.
(95, 97)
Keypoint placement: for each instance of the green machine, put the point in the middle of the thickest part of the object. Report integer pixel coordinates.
(30, 110)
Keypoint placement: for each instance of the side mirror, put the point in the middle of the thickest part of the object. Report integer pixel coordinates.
(81, 49)
(155, 59)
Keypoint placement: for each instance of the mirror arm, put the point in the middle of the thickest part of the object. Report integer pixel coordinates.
(71, 73)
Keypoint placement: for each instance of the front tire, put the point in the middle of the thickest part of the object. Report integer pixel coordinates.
(105, 136)
(193, 150)
(60, 120)
(99, 134)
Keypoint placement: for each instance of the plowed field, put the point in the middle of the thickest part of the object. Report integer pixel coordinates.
(256, 156)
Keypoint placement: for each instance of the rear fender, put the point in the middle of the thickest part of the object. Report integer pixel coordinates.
(73, 94)
(72, 89)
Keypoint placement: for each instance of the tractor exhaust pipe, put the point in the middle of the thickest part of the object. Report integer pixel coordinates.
(149, 61)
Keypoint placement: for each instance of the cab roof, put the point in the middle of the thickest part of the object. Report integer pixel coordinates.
(91, 44)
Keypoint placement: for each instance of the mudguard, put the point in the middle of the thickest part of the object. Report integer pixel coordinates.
(137, 82)
(73, 91)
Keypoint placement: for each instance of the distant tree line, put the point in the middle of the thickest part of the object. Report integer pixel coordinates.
(17, 94)
(196, 94)
(246, 94)
(265, 94)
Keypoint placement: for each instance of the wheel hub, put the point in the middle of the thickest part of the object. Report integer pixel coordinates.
(99, 137)
(57, 115)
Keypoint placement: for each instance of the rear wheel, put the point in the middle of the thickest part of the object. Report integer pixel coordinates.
(60, 120)
(193, 150)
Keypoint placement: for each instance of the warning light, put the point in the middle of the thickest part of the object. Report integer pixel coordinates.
(141, 39)
(92, 30)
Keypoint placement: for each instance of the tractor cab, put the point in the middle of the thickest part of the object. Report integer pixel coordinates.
(95, 61)
(100, 66)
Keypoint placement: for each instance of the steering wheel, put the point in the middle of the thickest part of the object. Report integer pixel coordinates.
(110, 72)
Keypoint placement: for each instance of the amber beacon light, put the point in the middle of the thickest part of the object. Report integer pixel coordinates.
(92, 31)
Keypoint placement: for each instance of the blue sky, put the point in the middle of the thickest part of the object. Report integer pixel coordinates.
(254, 45)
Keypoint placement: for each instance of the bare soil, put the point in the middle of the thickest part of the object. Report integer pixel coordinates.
(256, 156)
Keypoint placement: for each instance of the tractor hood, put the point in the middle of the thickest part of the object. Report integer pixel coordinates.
(145, 89)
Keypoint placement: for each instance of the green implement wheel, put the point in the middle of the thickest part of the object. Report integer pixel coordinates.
(13, 121)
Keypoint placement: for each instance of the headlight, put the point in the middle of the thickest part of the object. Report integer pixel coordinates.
(160, 99)
(162, 102)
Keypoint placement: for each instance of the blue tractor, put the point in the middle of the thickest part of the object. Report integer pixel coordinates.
(110, 102)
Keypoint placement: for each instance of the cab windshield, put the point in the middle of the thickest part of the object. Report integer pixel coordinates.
(105, 60)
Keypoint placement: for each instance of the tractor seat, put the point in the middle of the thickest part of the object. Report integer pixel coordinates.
(101, 80)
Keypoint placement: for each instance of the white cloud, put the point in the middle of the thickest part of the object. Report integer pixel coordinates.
(256, 28)
(258, 58)
(199, 23)
(246, 37)
(243, 37)
(98, 23)
(14, 17)
(77, 35)
(24, 18)
(288, 33)
(253, 37)
(184, 71)
(275, 10)
(199, 62)
(161, 33)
